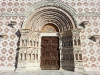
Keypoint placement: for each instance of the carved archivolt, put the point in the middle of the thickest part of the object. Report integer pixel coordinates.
(53, 12)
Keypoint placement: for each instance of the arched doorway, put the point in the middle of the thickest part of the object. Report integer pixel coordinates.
(50, 54)
(46, 26)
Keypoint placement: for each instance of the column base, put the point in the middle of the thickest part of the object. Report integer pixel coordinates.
(61, 68)
(79, 69)
(38, 68)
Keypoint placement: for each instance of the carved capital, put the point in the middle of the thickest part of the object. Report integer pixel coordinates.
(25, 30)
(77, 30)
(61, 33)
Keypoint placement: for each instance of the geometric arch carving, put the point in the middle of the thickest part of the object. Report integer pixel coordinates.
(49, 11)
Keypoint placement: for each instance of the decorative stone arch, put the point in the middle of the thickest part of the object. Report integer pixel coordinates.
(39, 15)
(48, 6)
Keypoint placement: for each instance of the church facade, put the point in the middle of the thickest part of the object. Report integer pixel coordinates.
(50, 35)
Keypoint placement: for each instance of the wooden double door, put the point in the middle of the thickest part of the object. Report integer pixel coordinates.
(50, 57)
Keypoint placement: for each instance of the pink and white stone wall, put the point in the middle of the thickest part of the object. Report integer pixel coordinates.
(13, 10)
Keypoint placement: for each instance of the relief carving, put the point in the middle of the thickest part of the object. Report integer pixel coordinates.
(49, 28)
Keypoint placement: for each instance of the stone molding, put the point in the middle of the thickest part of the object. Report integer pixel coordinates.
(46, 3)
(59, 7)
(76, 15)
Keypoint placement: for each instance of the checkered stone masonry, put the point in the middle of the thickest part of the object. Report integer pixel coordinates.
(91, 50)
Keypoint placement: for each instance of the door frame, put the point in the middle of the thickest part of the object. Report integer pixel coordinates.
(51, 35)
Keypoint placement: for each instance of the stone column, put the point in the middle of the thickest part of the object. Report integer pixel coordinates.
(20, 56)
(28, 57)
(73, 41)
(29, 42)
(39, 52)
(76, 42)
(60, 48)
(21, 42)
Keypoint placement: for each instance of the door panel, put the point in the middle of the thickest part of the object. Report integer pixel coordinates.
(50, 53)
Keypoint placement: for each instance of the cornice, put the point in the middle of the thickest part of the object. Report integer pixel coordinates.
(77, 14)
(88, 14)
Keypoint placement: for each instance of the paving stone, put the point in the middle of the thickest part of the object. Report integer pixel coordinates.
(47, 72)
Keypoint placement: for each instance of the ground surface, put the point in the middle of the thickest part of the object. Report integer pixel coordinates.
(47, 72)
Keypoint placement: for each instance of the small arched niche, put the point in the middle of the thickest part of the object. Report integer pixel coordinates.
(50, 28)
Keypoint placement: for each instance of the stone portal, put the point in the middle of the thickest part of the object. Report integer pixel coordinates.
(50, 39)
